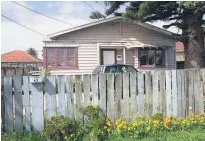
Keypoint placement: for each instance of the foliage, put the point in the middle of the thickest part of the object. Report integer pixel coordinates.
(197, 134)
(63, 129)
(22, 137)
(95, 123)
(33, 52)
(143, 126)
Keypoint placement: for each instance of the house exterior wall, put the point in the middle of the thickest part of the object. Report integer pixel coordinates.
(114, 31)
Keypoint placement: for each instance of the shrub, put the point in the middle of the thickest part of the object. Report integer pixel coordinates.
(63, 129)
(95, 123)
(143, 126)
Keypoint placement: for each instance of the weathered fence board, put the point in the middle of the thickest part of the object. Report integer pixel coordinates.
(78, 97)
(110, 96)
(50, 88)
(155, 93)
(133, 93)
(149, 96)
(127, 95)
(174, 91)
(162, 93)
(183, 97)
(118, 95)
(61, 95)
(70, 102)
(18, 103)
(86, 90)
(102, 89)
(168, 92)
(140, 93)
(191, 91)
(94, 84)
(27, 103)
(8, 100)
(37, 107)
(179, 93)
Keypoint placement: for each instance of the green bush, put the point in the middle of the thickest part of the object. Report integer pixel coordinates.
(95, 124)
(63, 129)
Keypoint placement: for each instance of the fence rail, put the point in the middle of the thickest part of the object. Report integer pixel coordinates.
(171, 92)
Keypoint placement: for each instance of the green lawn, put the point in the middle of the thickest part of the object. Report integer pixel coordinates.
(193, 135)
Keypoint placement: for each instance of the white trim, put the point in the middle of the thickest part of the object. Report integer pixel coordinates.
(124, 56)
(98, 53)
(57, 44)
(149, 26)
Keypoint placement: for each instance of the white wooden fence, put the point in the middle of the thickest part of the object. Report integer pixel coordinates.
(171, 92)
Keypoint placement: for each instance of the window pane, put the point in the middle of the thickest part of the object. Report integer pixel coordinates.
(143, 57)
(159, 57)
(51, 62)
(61, 52)
(71, 52)
(151, 57)
(71, 62)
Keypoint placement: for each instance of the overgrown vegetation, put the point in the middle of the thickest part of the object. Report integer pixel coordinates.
(96, 127)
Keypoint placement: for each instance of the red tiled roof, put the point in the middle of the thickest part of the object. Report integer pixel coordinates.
(18, 56)
(179, 46)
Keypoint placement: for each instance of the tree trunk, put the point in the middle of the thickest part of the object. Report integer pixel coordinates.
(194, 45)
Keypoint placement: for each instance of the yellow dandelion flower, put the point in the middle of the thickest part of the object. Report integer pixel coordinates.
(148, 128)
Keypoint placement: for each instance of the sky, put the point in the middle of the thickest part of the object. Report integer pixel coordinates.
(15, 37)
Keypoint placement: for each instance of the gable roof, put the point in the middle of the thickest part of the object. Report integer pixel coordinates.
(146, 25)
(18, 56)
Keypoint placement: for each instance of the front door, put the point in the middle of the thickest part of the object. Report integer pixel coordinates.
(108, 57)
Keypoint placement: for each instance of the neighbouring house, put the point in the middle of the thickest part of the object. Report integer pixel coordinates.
(180, 55)
(15, 62)
(110, 41)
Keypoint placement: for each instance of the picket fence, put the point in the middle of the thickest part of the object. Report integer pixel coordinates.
(171, 92)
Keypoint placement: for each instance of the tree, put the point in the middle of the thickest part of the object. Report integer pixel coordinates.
(32, 52)
(187, 16)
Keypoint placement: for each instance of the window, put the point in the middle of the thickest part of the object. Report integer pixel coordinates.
(151, 57)
(61, 57)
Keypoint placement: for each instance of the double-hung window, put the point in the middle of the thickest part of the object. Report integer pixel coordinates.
(61, 57)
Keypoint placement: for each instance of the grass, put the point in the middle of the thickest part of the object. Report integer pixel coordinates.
(193, 135)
